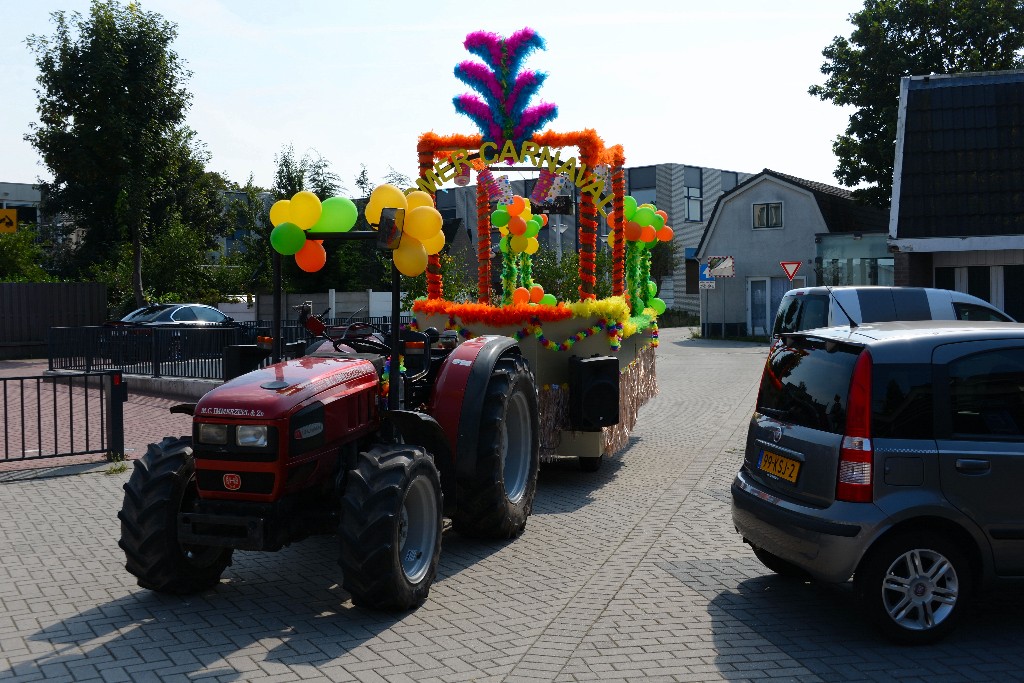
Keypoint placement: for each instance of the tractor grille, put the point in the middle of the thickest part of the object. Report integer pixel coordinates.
(251, 482)
(235, 454)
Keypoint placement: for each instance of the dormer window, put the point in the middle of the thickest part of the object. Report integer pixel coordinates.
(768, 215)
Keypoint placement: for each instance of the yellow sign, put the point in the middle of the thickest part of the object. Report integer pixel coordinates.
(8, 220)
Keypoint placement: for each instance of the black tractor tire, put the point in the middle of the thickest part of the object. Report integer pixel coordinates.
(780, 566)
(915, 586)
(162, 484)
(390, 531)
(496, 500)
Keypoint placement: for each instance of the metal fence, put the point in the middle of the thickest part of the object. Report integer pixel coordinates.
(62, 415)
(191, 352)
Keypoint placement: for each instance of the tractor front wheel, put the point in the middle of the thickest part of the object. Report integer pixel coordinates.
(162, 484)
(497, 499)
(390, 533)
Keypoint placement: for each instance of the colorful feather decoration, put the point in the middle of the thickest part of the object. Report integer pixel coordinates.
(502, 113)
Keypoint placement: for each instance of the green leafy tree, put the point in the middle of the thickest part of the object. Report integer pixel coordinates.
(363, 183)
(323, 182)
(896, 38)
(111, 131)
(21, 256)
(290, 175)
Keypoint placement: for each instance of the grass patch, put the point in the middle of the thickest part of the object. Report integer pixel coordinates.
(118, 464)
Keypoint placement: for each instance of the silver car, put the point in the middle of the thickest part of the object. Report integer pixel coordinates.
(893, 453)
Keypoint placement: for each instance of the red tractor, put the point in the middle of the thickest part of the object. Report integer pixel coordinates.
(309, 446)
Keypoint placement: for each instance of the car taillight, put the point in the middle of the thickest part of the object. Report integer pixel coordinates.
(856, 454)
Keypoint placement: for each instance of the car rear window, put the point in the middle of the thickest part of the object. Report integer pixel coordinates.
(807, 384)
(901, 401)
(151, 314)
(801, 312)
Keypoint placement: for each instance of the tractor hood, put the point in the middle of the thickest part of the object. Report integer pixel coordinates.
(275, 391)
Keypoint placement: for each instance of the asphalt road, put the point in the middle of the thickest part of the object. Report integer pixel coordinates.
(633, 573)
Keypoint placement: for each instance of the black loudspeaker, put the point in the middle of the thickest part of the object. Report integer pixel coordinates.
(593, 392)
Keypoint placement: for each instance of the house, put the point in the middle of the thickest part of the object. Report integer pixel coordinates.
(772, 219)
(957, 216)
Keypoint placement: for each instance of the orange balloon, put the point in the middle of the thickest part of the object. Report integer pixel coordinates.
(521, 296)
(632, 231)
(665, 234)
(311, 257)
(543, 220)
(517, 206)
(647, 234)
(536, 292)
(662, 214)
(516, 225)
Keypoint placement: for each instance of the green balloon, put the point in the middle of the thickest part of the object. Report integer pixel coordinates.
(287, 239)
(659, 222)
(548, 300)
(658, 305)
(503, 244)
(628, 207)
(650, 245)
(338, 214)
(532, 228)
(652, 288)
(644, 216)
(499, 218)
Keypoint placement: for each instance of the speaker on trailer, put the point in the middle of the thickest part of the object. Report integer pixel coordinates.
(593, 392)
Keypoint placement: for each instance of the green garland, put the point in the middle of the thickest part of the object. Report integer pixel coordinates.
(508, 276)
(526, 269)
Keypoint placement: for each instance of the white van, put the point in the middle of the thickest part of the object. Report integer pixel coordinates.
(810, 307)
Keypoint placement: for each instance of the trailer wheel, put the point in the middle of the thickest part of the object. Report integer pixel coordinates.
(390, 532)
(162, 484)
(497, 499)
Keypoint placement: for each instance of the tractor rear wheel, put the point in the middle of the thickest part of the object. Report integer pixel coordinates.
(390, 532)
(497, 499)
(162, 484)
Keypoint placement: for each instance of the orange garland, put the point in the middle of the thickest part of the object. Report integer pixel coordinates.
(619, 247)
(491, 315)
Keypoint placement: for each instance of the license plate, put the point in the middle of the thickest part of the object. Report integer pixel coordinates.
(779, 466)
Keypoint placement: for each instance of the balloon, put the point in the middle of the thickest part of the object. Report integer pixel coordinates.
(543, 219)
(526, 215)
(434, 244)
(632, 231)
(658, 305)
(383, 197)
(499, 218)
(665, 234)
(650, 244)
(423, 222)
(418, 198)
(410, 257)
(628, 207)
(652, 288)
(610, 218)
(520, 296)
(503, 230)
(532, 245)
(287, 239)
(279, 212)
(516, 225)
(658, 223)
(338, 214)
(532, 228)
(503, 245)
(644, 216)
(536, 293)
(548, 300)
(305, 209)
(311, 257)
(518, 243)
(611, 239)
(662, 214)
(648, 205)
(647, 234)
(516, 207)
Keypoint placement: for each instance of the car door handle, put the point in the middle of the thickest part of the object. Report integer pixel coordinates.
(972, 466)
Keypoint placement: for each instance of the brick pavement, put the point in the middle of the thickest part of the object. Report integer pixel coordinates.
(630, 574)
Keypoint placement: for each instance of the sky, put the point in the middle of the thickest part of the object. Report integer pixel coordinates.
(711, 84)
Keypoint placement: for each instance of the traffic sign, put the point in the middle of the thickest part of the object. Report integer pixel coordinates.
(790, 267)
(721, 266)
(8, 220)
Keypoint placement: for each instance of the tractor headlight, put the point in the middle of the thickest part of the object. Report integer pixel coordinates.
(215, 434)
(251, 436)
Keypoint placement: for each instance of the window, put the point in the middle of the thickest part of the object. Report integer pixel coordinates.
(986, 392)
(965, 311)
(901, 401)
(768, 215)
(692, 184)
(728, 180)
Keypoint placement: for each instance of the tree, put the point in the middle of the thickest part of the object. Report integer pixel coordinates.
(20, 256)
(363, 183)
(896, 38)
(111, 130)
(323, 182)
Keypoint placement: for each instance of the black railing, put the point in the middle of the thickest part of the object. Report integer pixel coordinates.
(61, 415)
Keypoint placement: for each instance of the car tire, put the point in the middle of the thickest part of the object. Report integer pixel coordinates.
(778, 565)
(915, 587)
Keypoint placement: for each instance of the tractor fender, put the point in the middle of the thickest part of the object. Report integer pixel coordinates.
(458, 398)
(420, 429)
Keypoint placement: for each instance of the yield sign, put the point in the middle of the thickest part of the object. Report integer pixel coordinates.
(790, 267)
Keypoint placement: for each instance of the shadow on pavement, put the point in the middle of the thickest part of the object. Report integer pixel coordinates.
(562, 487)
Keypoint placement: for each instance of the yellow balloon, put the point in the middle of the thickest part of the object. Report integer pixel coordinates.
(518, 243)
(611, 239)
(526, 214)
(410, 257)
(434, 244)
(279, 212)
(423, 222)
(503, 230)
(305, 209)
(383, 197)
(532, 245)
(419, 198)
